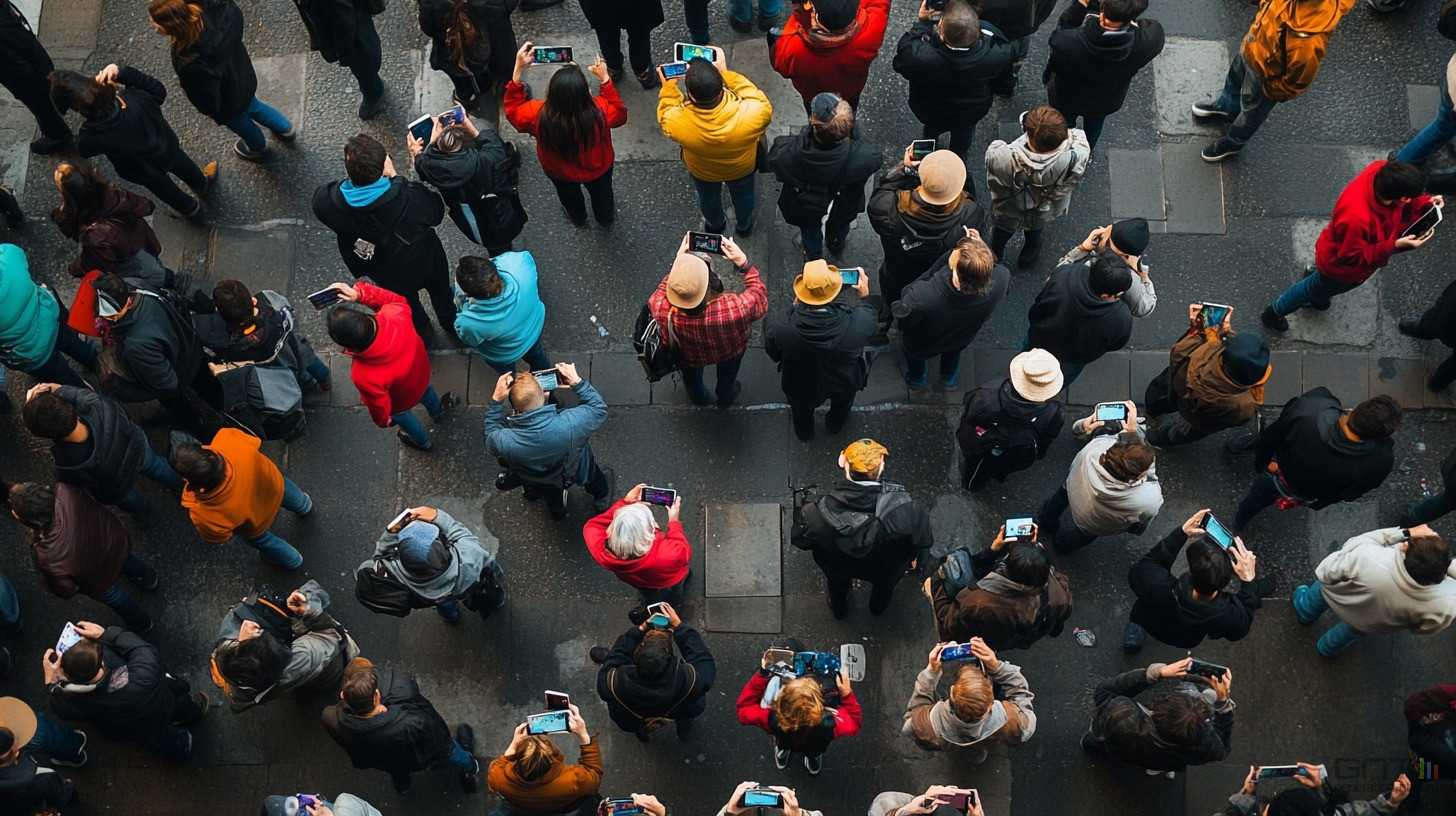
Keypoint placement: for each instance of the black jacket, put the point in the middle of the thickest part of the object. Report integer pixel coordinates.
(27, 789)
(1090, 69)
(392, 239)
(912, 233)
(1072, 322)
(904, 531)
(1316, 459)
(819, 349)
(1166, 608)
(494, 49)
(24, 62)
(216, 73)
(679, 693)
(1128, 733)
(137, 138)
(158, 347)
(336, 28)
(836, 173)
(118, 446)
(411, 736)
(483, 178)
(633, 15)
(935, 317)
(133, 699)
(1016, 18)
(953, 87)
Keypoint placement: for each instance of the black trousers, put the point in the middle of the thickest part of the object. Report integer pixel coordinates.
(882, 568)
(32, 92)
(1430, 327)
(162, 186)
(639, 47)
(435, 280)
(603, 199)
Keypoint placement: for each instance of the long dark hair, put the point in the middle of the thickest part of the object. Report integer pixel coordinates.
(461, 33)
(254, 664)
(571, 123)
(83, 193)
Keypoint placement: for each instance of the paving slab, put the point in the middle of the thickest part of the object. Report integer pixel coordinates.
(482, 381)
(886, 383)
(450, 373)
(261, 258)
(343, 394)
(1421, 102)
(760, 378)
(1353, 317)
(741, 551)
(1286, 381)
(1105, 380)
(282, 83)
(1145, 365)
(1346, 374)
(750, 58)
(618, 378)
(1136, 184)
(185, 246)
(756, 615)
(990, 363)
(1401, 377)
(1189, 70)
(67, 29)
(1194, 190)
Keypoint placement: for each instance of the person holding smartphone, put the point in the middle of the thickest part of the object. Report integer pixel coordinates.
(1111, 489)
(989, 702)
(827, 47)
(260, 328)
(471, 42)
(1214, 381)
(788, 802)
(440, 561)
(645, 684)
(1188, 721)
(627, 542)
(895, 803)
(1315, 795)
(532, 776)
(500, 310)
(799, 718)
(1012, 597)
(921, 209)
(823, 169)
(941, 312)
(477, 173)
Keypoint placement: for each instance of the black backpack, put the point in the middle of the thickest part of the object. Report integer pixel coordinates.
(1446, 19)
(653, 342)
(994, 445)
(379, 591)
(864, 529)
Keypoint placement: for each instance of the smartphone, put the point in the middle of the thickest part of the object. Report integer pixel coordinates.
(1425, 223)
(852, 661)
(1216, 531)
(710, 242)
(69, 637)
(683, 52)
(957, 651)
(762, 797)
(773, 657)
(1204, 669)
(1111, 412)
(454, 116)
(1276, 771)
(920, 148)
(674, 70)
(621, 807)
(551, 55)
(662, 496)
(550, 722)
(557, 700)
(1019, 527)
(399, 521)
(423, 128)
(1214, 314)
(850, 276)
(960, 800)
(546, 378)
(324, 297)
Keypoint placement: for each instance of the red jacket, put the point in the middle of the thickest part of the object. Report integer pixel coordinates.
(393, 373)
(817, 61)
(665, 565)
(1361, 234)
(524, 115)
(846, 718)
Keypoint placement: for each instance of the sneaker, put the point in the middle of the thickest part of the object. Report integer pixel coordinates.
(198, 214)
(1169, 774)
(743, 232)
(370, 108)
(307, 508)
(650, 79)
(401, 786)
(741, 26)
(44, 146)
(813, 764)
(409, 442)
(833, 247)
(143, 631)
(1029, 254)
(287, 135)
(1221, 149)
(781, 758)
(448, 400)
(684, 727)
(615, 75)
(80, 753)
(1274, 320)
(508, 480)
(209, 178)
(601, 505)
(251, 155)
(470, 780)
(737, 388)
(1206, 110)
(1132, 638)
(598, 654)
(839, 610)
(186, 744)
(147, 586)
(1242, 445)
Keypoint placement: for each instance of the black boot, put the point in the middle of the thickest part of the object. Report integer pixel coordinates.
(1441, 182)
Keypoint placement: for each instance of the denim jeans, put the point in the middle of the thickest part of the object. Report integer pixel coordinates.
(950, 366)
(258, 113)
(743, 193)
(1312, 289)
(727, 374)
(55, 741)
(127, 609)
(273, 549)
(157, 469)
(742, 10)
(9, 604)
(1243, 101)
(1262, 492)
(406, 421)
(814, 237)
(54, 368)
(1309, 604)
(1069, 538)
(535, 357)
(319, 371)
(1434, 136)
(1429, 509)
(364, 62)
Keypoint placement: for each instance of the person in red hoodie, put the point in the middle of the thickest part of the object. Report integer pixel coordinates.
(1367, 227)
(1430, 716)
(390, 367)
(799, 716)
(827, 47)
(627, 541)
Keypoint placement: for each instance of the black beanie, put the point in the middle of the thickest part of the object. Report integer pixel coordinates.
(1130, 236)
(836, 15)
(1245, 358)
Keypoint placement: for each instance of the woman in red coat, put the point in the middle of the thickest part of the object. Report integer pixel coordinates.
(627, 541)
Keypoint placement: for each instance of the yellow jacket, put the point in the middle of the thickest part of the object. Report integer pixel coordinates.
(1287, 40)
(718, 144)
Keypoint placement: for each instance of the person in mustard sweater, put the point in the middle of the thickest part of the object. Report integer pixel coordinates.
(717, 116)
(230, 488)
(532, 775)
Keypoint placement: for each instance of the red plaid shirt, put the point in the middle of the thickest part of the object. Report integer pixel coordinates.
(720, 332)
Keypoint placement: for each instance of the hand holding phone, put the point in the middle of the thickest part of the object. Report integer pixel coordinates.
(69, 637)
(325, 296)
(398, 522)
(850, 276)
(1019, 528)
(670, 71)
(551, 55)
(1110, 412)
(660, 496)
(550, 722)
(1215, 530)
(709, 242)
(920, 148)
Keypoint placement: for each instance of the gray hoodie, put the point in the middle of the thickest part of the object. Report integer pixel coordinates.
(314, 661)
(948, 728)
(1102, 505)
(468, 560)
(1366, 585)
(1029, 189)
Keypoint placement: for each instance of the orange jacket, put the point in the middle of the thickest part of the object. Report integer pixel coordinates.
(248, 498)
(1287, 40)
(558, 790)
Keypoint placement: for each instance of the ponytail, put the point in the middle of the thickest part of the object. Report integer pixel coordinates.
(461, 34)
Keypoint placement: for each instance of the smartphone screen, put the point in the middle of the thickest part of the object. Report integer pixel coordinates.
(761, 797)
(1019, 527)
(454, 116)
(852, 661)
(957, 651)
(399, 521)
(423, 128)
(1216, 531)
(710, 242)
(959, 800)
(660, 621)
(1425, 223)
(850, 276)
(674, 70)
(622, 807)
(1111, 412)
(1274, 771)
(773, 657)
(662, 496)
(551, 722)
(686, 51)
(546, 378)
(553, 55)
(324, 297)
(1204, 669)
(1214, 314)
(920, 148)
(69, 637)
(557, 700)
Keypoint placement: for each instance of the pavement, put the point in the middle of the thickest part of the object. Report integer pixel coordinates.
(1236, 233)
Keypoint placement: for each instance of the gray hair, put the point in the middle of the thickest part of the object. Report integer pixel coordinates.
(631, 532)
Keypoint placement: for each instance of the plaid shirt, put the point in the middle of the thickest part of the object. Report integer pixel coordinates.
(720, 332)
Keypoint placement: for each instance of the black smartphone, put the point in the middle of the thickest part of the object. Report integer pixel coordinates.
(1424, 224)
(850, 276)
(762, 797)
(1205, 669)
(1214, 314)
(557, 700)
(551, 55)
(1216, 531)
(683, 52)
(960, 800)
(1290, 771)
(935, 5)
(423, 128)
(710, 242)
(1019, 527)
(621, 807)
(674, 70)
(956, 651)
(920, 148)
(662, 496)
(547, 379)
(1111, 412)
(324, 297)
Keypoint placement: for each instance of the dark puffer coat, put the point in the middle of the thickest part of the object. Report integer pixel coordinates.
(118, 446)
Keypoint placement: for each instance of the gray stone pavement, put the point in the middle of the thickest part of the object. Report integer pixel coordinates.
(1237, 232)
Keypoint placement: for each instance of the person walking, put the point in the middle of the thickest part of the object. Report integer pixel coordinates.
(827, 47)
(24, 68)
(260, 328)
(109, 223)
(385, 227)
(544, 449)
(823, 169)
(477, 174)
(1032, 179)
(941, 313)
(1382, 581)
(1436, 135)
(441, 562)
(709, 326)
(637, 19)
(717, 117)
(1009, 423)
(1368, 227)
(1437, 322)
(1017, 20)
(989, 703)
(1010, 597)
(232, 489)
(1270, 67)
(573, 131)
(343, 31)
(819, 345)
(1112, 488)
(1189, 723)
(645, 684)
(800, 718)
(79, 547)
(627, 542)
(387, 361)
(1437, 504)
(921, 210)
(25, 786)
(121, 109)
(1430, 716)
(500, 313)
(1214, 380)
(1094, 56)
(1081, 313)
(471, 41)
(215, 72)
(532, 777)
(383, 722)
(32, 334)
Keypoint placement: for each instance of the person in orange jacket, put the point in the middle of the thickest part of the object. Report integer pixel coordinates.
(827, 46)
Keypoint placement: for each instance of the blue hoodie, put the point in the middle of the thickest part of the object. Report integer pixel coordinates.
(504, 328)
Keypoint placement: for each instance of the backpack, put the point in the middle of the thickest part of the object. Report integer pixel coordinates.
(379, 591)
(955, 572)
(654, 343)
(858, 531)
(268, 607)
(264, 399)
(648, 725)
(993, 445)
(1446, 19)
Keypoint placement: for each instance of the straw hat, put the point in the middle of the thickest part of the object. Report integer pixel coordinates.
(1036, 374)
(818, 284)
(19, 718)
(942, 177)
(687, 283)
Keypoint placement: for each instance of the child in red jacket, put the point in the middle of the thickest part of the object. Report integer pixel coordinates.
(828, 47)
(798, 719)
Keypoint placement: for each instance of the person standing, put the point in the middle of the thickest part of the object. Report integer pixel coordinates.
(819, 346)
(109, 223)
(627, 542)
(1112, 487)
(741, 17)
(1080, 313)
(1124, 243)
(644, 683)
(1009, 423)
(636, 18)
(1430, 716)
(1438, 504)
(441, 561)
(25, 786)
(215, 72)
(1011, 597)
(717, 116)
(573, 131)
(232, 489)
(260, 328)
(342, 31)
(385, 226)
(989, 703)
(708, 325)
(1438, 322)
(122, 113)
(1214, 381)
(1187, 724)
(1367, 228)
(801, 718)
(24, 67)
(1017, 20)
(1094, 56)
(1032, 179)
(1276, 62)
(32, 334)
(532, 776)
(921, 210)
(943, 311)
(827, 47)
(471, 41)
(477, 174)
(823, 169)
(500, 310)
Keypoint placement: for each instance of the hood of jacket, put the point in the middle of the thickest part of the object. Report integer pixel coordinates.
(1085, 302)
(1017, 406)
(124, 205)
(221, 35)
(1113, 46)
(956, 731)
(484, 318)
(391, 338)
(451, 170)
(1328, 422)
(821, 327)
(996, 582)
(1045, 168)
(927, 222)
(1195, 614)
(655, 694)
(388, 207)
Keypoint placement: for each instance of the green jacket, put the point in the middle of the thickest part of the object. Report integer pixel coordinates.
(29, 315)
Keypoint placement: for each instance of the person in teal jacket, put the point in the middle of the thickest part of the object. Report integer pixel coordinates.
(500, 310)
(32, 337)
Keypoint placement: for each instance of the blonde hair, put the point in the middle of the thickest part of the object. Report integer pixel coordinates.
(536, 755)
(631, 532)
(181, 20)
(970, 694)
(800, 705)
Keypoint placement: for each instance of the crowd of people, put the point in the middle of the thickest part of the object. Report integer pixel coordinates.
(230, 365)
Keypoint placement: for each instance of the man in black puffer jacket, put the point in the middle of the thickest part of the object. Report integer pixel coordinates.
(476, 173)
(823, 169)
(921, 210)
(641, 680)
(1079, 314)
(1098, 47)
(941, 313)
(1188, 722)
